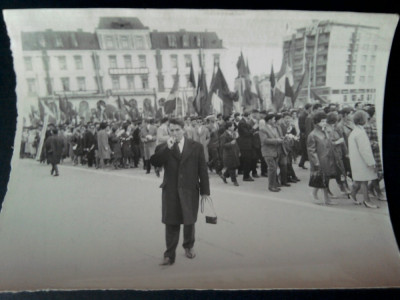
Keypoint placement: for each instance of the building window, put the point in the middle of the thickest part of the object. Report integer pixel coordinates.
(124, 42)
(185, 40)
(174, 61)
(373, 58)
(59, 42)
(375, 47)
(362, 97)
(139, 42)
(62, 61)
(42, 41)
(109, 42)
(74, 40)
(65, 84)
(127, 61)
(171, 41)
(113, 61)
(335, 92)
(145, 82)
(142, 61)
(115, 82)
(31, 86)
(362, 78)
(364, 59)
(363, 68)
(81, 83)
(78, 62)
(353, 97)
(130, 80)
(344, 98)
(28, 63)
(188, 60)
(197, 41)
(216, 59)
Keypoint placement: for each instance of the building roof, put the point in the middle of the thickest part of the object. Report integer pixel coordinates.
(120, 23)
(162, 40)
(59, 40)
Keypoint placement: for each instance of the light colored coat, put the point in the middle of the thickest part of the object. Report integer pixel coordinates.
(162, 134)
(149, 146)
(103, 145)
(203, 138)
(361, 156)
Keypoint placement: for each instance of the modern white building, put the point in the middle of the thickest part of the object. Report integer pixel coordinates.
(341, 58)
(123, 58)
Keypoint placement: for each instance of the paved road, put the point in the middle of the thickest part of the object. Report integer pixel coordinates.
(92, 229)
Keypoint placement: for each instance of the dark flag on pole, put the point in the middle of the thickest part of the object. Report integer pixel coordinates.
(201, 103)
(170, 103)
(192, 80)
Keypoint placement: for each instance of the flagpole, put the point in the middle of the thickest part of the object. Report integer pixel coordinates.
(309, 82)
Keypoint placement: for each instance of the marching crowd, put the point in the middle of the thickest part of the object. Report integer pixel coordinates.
(340, 143)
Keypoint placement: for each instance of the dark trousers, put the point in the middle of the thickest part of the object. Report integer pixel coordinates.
(290, 170)
(90, 158)
(246, 163)
(272, 175)
(172, 238)
(54, 168)
(282, 162)
(136, 154)
(230, 172)
(303, 147)
(262, 161)
(214, 160)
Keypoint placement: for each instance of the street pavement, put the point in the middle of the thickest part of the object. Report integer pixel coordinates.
(101, 229)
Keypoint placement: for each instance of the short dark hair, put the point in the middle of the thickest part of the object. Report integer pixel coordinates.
(236, 115)
(228, 124)
(346, 110)
(371, 111)
(307, 106)
(318, 117)
(360, 117)
(316, 106)
(332, 118)
(177, 122)
(103, 125)
(164, 120)
(357, 104)
(55, 131)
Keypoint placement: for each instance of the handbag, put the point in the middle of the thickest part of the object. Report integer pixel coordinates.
(318, 180)
(211, 217)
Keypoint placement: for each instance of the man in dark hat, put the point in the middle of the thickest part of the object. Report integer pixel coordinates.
(54, 148)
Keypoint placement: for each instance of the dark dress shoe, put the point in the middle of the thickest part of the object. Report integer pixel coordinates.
(285, 184)
(248, 179)
(190, 253)
(292, 180)
(158, 173)
(235, 183)
(223, 178)
(167, 262)
(255, 176)
(274, 189)
(56, 174)
(296, 179)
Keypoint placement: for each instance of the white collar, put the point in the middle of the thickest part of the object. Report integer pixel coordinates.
(181, 144)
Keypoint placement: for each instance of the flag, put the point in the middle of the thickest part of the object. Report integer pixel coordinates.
(283, 88)
(300, 85)
(317, 97)
(241, 66)
(272, 78)
(170, 103)
(46, 111)
(201, 101)
(220, 94)
(192, 80)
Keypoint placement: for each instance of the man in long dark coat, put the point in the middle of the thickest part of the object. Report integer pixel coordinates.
(245, 143)
(54, 150)
(303, 138)
(89, 142)
(185, 177)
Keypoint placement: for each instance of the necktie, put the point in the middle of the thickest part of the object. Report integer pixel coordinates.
(176, 149)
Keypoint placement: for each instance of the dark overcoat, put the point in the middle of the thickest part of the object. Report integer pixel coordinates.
(245, 139)
(230, 152)
(320, 152)
(115, 145)
(54, 149)
(185, 178)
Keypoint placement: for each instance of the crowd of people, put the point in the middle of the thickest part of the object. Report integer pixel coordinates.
(340, 143)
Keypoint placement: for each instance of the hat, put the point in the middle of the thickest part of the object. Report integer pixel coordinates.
(269, 117)
(255, 111)
(278, 116)
(346, 110)
(245, 114)
(236, 115)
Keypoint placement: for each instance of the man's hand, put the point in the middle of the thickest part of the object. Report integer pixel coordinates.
(170, 142)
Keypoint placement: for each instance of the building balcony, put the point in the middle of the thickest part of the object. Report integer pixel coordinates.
(135, 91)
(321, 62)
(76, 93)
(128, 71)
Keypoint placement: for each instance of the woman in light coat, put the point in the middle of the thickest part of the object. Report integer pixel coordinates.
(148, 135)
(361, 159)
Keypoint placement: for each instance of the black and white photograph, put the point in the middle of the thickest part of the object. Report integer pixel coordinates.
(167, 149)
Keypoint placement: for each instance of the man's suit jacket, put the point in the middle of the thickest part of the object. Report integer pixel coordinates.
(270, 142)
(185, 178)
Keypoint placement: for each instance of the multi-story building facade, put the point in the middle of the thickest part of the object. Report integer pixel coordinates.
(123, 58)
(340, 59)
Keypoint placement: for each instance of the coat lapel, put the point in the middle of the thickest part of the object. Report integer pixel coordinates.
(186, 150)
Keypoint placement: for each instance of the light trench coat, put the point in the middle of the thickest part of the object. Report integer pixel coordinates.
(361, 156)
